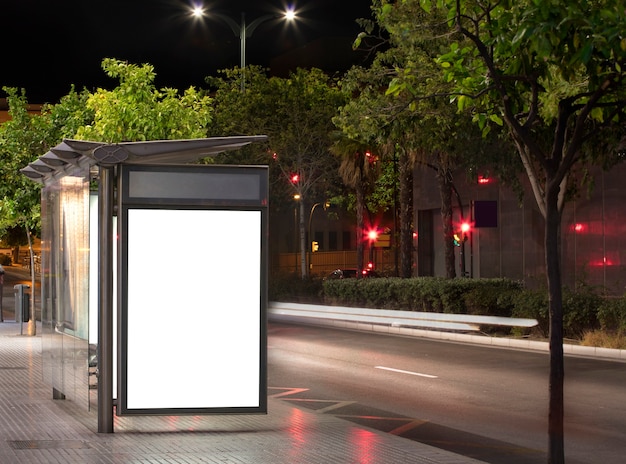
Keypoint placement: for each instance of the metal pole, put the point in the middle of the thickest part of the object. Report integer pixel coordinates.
(309, 250)
(462, 251)
(1, 293)
(242, 39)
(105, 301)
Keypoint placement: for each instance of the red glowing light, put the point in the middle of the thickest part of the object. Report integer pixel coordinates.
(372, 235)
(295, 178)
(578, 227)
(465, 227)
(484, 180)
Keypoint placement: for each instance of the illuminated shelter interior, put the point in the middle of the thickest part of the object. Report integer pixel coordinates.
(80, 255)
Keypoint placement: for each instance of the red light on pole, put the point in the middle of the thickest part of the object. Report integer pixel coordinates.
(295, 178)
(372, 235)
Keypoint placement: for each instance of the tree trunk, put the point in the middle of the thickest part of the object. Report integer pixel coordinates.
(556, 452)
(406, 216)
(360, 207)
(446, 218)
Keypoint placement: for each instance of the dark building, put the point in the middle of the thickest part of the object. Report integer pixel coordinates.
(507, 234)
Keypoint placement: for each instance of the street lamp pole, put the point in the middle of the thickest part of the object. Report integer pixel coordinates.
(243, 31)
(326, 204)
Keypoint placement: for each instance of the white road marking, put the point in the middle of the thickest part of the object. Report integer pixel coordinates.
(406, 372)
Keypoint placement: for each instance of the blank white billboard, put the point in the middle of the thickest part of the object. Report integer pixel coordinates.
(193, 316)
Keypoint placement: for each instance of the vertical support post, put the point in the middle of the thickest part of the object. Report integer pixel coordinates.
(1, 293)
(242, 50)
(105, 301)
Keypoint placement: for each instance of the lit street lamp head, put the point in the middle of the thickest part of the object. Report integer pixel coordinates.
(241, 30)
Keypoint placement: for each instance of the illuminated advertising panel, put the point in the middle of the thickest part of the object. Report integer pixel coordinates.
(193, 296)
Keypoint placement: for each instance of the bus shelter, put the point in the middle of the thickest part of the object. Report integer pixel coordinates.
(154, 277)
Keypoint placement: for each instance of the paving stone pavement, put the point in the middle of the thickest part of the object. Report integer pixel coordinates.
(35, 428)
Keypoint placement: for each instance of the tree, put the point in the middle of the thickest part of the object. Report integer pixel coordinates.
(133, 111)
(387, 108)
(296, 114)
(553, 74)
(136, 110)
(24, 137)
(357, 172)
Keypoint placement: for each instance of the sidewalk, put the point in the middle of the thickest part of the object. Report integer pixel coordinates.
(37, 429)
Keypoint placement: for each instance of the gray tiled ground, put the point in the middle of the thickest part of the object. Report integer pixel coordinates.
(37, 429)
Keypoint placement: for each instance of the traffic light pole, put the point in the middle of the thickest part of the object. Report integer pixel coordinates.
(463, 233)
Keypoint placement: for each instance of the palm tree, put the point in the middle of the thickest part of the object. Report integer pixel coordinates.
(357, 173)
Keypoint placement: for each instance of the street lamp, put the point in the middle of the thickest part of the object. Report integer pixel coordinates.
(242, 30)
(310, 250)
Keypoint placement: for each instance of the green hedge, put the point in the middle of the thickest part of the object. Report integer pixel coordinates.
(584, 309)
(612, 315)
(430, 294)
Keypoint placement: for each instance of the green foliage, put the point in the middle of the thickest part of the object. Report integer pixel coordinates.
(137, 111)
(612, 315)
(133, 111)
(296, 114)
(580, 311)
(585, 310)
(291, 287)
(458, 296)
(533, 304)
(497, 296)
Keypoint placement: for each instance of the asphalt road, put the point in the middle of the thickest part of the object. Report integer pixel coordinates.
(487, 403)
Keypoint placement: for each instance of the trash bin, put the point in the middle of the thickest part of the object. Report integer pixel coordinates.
(22, 303)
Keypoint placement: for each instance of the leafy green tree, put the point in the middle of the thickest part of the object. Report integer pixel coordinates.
(133, 111)
(136, 110)
(296, 114)
(24, 137)
(553, 74)
(388, 107)
(357, 172)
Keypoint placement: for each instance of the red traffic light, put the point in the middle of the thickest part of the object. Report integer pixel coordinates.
(295, 178)
(372, 235)
(465, 227)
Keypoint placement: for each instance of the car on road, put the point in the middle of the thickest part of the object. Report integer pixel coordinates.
(351, 274)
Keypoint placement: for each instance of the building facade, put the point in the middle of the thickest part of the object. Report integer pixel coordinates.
(506, 238)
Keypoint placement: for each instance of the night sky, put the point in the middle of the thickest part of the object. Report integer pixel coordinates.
(50, 44)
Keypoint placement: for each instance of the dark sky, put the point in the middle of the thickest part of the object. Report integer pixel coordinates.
(50, 44)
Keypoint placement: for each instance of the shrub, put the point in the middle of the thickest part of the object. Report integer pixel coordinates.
(491, 296)
(291, 287)
(533, 304)
(612, 315)
(580, 309)
(5, 260)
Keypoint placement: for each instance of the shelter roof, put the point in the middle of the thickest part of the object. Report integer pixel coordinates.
(66, 156)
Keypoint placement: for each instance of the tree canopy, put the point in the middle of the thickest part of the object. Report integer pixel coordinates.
(135, 110)
(553, 74)
(296, 114)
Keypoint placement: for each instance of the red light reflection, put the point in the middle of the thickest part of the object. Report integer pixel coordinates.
(364, 445)
(602, 262)
(297, 426)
